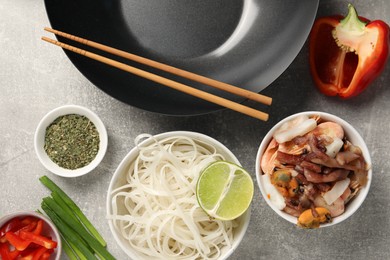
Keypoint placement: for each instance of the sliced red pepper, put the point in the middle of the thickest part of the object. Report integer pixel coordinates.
(14, 254)
(24, 235)
(18, 242)
(46, 255)
(28, 253)
(39, 227)
(17, 224)
(39, 252)
(347, 54)
(11, 225)
(4, 251)
(29, 219)
(27, 257)
(28, 227)
(7, 253)
(38, 239)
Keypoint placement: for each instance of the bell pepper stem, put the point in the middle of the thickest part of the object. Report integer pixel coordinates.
(351, 22)
(349, 31)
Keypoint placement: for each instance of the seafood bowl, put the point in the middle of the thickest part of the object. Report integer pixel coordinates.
(156, 225)
(49, 229)
(278, 163)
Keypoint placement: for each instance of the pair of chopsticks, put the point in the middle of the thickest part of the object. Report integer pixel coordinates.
(164, 81)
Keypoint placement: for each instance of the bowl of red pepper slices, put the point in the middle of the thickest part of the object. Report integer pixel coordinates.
(28, 235)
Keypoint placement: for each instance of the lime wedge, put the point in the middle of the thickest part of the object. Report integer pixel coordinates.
(224, 190)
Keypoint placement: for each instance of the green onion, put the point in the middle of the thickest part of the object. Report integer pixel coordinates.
(68, 249)
(78, 227)
(67, 232)
(72, 251)
(77, 252)
(64, 206)
(77, 211)
(60, 201)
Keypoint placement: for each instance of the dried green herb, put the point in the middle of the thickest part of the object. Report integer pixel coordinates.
(72, 141)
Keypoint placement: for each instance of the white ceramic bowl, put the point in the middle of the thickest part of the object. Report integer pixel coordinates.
(352, 135)
(39, 140)
(119, 179)
(49, 229)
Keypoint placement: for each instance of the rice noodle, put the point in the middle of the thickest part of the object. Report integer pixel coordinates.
(157, 212)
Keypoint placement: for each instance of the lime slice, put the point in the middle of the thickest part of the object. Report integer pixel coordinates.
(224, 190)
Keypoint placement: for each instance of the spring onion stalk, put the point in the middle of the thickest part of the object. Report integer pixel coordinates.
(68, 249)
(77, 252)
(67, 232)
(71, 251)
(77, 211)
(58, 199)
(67, 245)
(79, 228)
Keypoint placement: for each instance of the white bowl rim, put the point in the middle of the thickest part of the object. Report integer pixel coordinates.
(40, 135)
(351, 132)
(134, 151)
(9, 216)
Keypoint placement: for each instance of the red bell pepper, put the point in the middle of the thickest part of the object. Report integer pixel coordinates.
(38, 239)
(19, 243)
(24, 236)
(347, 54)
(29, 227)
(4, 251)
(37, 254)
(17, 224)
(11, 225)
(45, 256)
(39, 227)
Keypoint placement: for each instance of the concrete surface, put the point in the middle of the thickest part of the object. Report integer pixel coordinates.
(36, 77)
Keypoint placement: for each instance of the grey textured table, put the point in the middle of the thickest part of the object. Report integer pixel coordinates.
(35, 78)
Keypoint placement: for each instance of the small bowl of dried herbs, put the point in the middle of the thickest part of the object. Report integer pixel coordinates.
(70, 141)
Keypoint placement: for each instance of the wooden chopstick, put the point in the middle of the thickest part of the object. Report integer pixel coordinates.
(164, 81)
(173, 70)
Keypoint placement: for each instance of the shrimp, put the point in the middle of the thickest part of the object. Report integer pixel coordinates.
(330, 129)
(293, 148)
(346, 157)
(267, 162)
(335, 209)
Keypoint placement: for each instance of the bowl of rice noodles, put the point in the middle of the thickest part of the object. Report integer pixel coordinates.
(152, 209)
